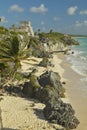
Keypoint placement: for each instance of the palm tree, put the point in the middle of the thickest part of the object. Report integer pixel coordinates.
(11, 53)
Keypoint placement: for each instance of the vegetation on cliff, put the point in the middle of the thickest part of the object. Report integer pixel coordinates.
(16, 46)
(56, 36)
(13, 49)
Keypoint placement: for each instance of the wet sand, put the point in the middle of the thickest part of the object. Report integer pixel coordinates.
(76, 93)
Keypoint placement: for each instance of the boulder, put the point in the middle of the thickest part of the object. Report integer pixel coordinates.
(55, 110)
(27, 89)
(30, 88)
(49, 77)
(14, 90)
(45, 94)
(53, 80)
(61, 113)
(48, 88)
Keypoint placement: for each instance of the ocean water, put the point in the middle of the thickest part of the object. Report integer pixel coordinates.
(78, 60)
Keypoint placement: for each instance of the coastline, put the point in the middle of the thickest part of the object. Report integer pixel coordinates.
(27, 114)
(25, 108)
(75, 93)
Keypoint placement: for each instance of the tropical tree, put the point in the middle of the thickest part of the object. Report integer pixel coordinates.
(11, 53)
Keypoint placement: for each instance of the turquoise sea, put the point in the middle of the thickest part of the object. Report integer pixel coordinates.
(78, 84)
(78, 60)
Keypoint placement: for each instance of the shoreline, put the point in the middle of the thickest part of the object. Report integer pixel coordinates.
(75, 93)
(26, 114)
(62, 67)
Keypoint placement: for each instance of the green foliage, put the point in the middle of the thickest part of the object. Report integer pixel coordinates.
(2, 66)
(15, 45)
(56, 36)
(34, 42)
(34, 81)
(62, 94)
(19, 76)
(53, 35)
(45, 60)
(9, 49)
(48, 88)
(34, 45)
(3, 30)
(11, 53)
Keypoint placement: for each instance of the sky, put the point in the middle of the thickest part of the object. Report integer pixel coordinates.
(65, 16)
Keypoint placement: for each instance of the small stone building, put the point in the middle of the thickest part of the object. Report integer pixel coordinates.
(24, 26)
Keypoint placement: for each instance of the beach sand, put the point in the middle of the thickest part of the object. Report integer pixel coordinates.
(23, 114)
(26, 114)
(76, 94)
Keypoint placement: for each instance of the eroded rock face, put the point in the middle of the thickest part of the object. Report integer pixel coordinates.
(45, 94)
(52, 79)
(55, 111)
(31, 87)
(48, 88)
(61, 113)
(27, 89)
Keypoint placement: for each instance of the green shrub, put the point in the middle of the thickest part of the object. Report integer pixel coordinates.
(19, 76)
(47, 87)
(34, 81)
(62, 94)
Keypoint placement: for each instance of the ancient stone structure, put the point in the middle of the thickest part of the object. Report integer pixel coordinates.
(24, 26)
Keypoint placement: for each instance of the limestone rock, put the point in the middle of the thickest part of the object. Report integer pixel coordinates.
(61, 113)
(27, 89)
(52, 79)
(30, 88)
(48, 89)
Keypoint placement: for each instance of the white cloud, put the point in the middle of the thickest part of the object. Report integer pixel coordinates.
(16, 8)
(3, 19)
(40, 9)
(56, 18)
(42, 23)
(72, 10)
(78, 24)
(83, 12)
(81, 23)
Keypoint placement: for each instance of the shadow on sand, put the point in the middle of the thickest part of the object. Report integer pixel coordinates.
(9, 129)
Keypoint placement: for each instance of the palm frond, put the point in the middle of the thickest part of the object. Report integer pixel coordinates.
(15, 46)
(4, 52)
(25, 62)
(5, 59)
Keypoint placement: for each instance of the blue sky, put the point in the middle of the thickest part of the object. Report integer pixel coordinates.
(67, 16)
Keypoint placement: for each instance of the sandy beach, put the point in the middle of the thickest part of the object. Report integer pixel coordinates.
(76, 94)
(27, 114)
(23, 114)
